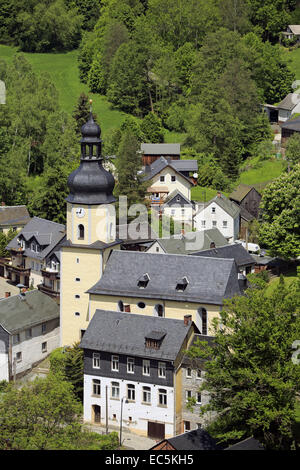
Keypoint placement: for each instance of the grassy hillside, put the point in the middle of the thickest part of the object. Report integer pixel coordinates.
(294, 60)
(63, 69)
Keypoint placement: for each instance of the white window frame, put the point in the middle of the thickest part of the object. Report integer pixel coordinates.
(146, 367)
(19, 356)
(96, 384)
(130, 365)
(96, 360)
(162, 397)
(197, 396)
(116, 387)
(188, 372)
(130, 392)
(188, 395)
(146, 398)
(115, 363)
(162, 370)
(44, 347)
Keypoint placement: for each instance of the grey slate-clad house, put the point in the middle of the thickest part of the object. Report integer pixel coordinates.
(198, 439)
(29, 331)
(30, 251)
(140, 368)
(166, 285)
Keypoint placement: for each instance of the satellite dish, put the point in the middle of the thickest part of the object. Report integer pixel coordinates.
(195, 175)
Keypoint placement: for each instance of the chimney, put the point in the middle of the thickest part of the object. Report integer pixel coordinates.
(218, 194)
(187, 319)
(7, 294)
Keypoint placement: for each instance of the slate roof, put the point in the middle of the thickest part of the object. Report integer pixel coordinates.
(160, 149)
(183, 200)
(210, 279)
(247, 444)
(233, 251)
(185, 165)
(14, 215)
(17, 315)
(48, 234)
(158, 165)
(228, 206)
(289, 102)
(240, 192)
(119, 332)
(292, 124)
(199, 439)
(192, 241)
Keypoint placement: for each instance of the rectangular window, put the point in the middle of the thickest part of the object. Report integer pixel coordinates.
(146, 394)
(203, 223)
(213, 210)
(16, 338)
(44, 328)
(188, 395)
(19, 356)
(146, 367)
(224, 223)
(162, 397)
(130, 365)
(28, 333)
(96, 361)
(162, 179)
(44, 347)
(198, 398)
(173, 178)
(187, 426)
(162, 370)
(115, 390)
(96, 387)
(131, 392)
(198, 374)
(188, 372)
(115, 363)
(214, 223)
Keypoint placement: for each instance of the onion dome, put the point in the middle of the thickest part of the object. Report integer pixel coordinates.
(91, 183)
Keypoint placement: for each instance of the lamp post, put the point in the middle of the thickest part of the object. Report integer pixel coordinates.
(126, 401)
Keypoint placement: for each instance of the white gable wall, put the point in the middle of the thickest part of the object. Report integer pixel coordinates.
(207, 219)
(180, 183)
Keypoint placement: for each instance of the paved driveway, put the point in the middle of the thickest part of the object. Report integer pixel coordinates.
(130, 440)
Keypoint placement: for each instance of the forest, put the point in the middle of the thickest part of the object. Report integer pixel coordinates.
(200, 68)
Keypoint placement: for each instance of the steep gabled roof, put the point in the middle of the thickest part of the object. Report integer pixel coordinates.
(159, 165)
(198, 439)
(295, 28)
(228, 206)
(241, 192)
(113, 332)
(289, 102)
(17, 314)
(210, 279)
(173, 195)
(48, 234)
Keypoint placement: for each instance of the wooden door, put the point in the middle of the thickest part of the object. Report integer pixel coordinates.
(97, 413)
(156, 430)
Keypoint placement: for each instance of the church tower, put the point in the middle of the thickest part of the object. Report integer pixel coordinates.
(90, 237)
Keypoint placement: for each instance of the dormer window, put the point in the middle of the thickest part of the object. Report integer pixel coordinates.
(182, 284)
(154, 339)
(143, 281)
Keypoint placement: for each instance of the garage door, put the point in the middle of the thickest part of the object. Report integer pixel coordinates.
(156, 430)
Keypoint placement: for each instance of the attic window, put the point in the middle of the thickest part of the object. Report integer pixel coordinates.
(143, 281)
(154, 339)
(182, 284)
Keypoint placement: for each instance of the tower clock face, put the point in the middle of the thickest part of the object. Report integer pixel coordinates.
(80, 212)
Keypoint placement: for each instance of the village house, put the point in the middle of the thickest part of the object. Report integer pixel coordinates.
(135, 378)
(195, 440)
(152, 152)
(219, 213)
(166, 176)
(289, 128)
(179, 208)
(13, 218)
(190, 242)
(248, 198)
(30, 253)
(29, 331)
(292, 32)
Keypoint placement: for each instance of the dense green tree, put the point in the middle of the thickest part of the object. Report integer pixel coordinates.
(68, 362)
(292, 152)
(49, 27)
(44, 415)
(4, 241)
(88, 9)
(152, 128)
(235, 15)
(280, 230)
(128, 164)
(251, 378)
(82, 111)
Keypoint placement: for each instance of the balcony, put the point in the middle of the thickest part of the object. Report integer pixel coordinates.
(49, 291)
(50, 273)
(18, 269)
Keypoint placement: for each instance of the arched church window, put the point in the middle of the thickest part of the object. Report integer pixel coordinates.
(80, 232)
